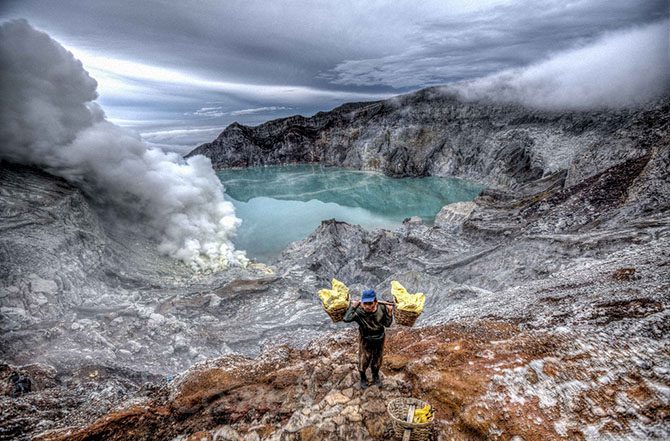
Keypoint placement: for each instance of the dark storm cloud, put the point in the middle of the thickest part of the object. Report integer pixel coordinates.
(347, 43)
(466, 46)
(158, 62)
(252, 42)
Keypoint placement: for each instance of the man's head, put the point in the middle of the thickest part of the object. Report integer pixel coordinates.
(369, 300)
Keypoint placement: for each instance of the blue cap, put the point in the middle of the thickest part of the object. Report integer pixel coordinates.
(369, 295)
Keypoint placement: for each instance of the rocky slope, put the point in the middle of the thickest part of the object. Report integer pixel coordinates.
(77, 285)
(547, 296)
(488, 380)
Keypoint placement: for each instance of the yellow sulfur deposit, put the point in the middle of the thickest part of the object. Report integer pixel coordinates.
(406, 301)
(423, 415)
(335, 298)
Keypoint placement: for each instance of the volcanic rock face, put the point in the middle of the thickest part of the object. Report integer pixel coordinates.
(77, 289)
(547, 296)
(431, 132)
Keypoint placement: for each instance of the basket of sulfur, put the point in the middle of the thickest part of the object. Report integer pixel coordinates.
(408, 306)
(411, 418)
(335, 301)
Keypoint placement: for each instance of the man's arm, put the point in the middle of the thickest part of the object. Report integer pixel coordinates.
(388, 316)
(350, 315)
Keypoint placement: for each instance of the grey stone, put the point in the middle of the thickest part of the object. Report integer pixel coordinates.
(297, 422)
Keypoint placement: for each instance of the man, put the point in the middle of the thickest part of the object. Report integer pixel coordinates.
(371, 319)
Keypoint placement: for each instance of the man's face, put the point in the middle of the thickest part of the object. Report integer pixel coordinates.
(369, 306)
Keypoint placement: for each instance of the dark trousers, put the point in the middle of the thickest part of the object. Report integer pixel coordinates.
(370, 354)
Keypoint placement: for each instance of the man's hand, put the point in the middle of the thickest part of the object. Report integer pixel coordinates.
(355, 303)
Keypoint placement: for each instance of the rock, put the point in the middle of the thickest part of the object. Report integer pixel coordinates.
(331, 412)
(453, 216)
(134, 346)
(328, 427)
(179, 344)
(375, 406)
(39, 285)
(323, 373)
(296, 422)
(336, 397)
(39, 299)
(252, 436)
(308, 434)
(200, 436)
(226, 433)
(156, 320)
(348, 381)
(376, 427)
(352, 414)
(598, 411)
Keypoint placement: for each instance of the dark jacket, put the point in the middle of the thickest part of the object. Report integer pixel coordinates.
(370, 325)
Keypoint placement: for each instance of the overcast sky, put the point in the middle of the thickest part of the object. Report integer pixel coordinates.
(179, 72)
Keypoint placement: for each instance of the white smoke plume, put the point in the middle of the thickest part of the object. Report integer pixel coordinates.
(48, 119)
(621, 69)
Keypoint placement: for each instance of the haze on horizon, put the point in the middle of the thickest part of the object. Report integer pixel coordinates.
(178, 73)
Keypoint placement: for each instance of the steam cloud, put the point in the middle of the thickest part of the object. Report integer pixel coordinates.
(621, 69)
(48, 118)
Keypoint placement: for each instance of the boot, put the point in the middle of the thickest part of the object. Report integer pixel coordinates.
(376, 380)
(364, 380)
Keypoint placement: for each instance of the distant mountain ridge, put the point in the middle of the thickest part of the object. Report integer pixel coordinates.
(432, 132)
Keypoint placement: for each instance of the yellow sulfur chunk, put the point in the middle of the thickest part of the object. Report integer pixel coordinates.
(406, 301)
(423, 415)
(335, 298)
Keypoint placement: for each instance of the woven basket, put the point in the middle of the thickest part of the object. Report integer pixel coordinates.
(398, 408)
(405, 318)
(336, 315)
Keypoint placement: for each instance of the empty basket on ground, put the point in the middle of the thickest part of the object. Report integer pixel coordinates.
(335, 301)
(398, 409)
(408, 306)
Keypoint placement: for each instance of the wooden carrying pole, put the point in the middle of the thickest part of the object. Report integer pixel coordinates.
(382, 302)
(410, 416)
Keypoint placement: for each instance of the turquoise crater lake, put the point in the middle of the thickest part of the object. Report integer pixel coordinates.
(282, 204)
